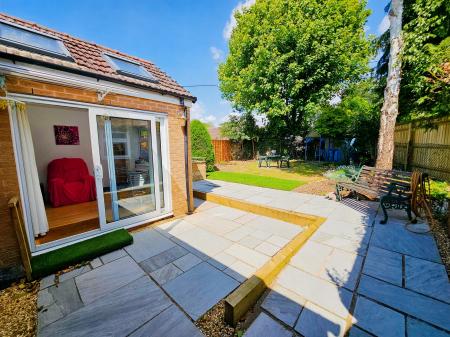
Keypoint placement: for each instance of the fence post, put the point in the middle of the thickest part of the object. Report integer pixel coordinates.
(408, 147)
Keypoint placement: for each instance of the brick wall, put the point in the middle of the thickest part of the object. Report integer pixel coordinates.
(8, 244)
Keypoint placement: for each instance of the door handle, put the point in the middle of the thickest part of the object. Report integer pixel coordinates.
(98, 171)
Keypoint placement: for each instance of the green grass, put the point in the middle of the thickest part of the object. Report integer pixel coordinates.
(256, 180)
(56, 260)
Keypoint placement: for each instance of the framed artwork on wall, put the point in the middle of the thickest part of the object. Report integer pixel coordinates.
(66, 135)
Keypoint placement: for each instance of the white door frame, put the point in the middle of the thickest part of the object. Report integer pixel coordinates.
(139, 220)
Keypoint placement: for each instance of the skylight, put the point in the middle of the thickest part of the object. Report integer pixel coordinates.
(130, 68)
(32, 41)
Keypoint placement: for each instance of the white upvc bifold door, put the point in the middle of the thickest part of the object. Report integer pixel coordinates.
(130, 166)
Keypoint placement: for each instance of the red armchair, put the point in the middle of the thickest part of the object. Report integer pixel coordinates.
(69, 182)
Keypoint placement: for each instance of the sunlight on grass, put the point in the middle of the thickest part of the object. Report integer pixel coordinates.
(256, 180)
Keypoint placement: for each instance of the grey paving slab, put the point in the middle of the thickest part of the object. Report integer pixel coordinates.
(66, 296)
(428, 278)
(317, 322)
(148, 243)
(418, 328)
(384, 264)
(47, 281)
(268, 327)
(311, 257)
(187, 261)
(395, 237)
(158, 261)
(325, 294)
(334, 241)
(200, 288)
(222, 261)
(225, 212)
(74, 273)
(48, 315)
(275, 227)
(357, 332)
(247, 255)
(358, 233)
(109, 277)
(240, 271)
(278, 241)
(117, 254)
(44, 298)
(368, 315)
(166, 273)
(282, 307)
(342, 268)
(95, 263)
(250, 241)
(409, 302)
(267, 249)
(117, 314)
(170, 323)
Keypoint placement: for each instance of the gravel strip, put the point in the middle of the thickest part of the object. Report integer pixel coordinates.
(321, 187)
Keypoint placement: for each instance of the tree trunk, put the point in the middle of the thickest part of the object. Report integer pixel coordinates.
(389, 111)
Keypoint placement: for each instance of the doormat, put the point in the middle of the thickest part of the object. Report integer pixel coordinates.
(47, 263)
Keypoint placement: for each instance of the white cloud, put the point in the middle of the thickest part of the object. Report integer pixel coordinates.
(217, 54)
(384, 25)
(198, 111)
(231, 23)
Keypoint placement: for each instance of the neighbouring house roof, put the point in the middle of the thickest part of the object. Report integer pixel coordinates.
(88, 59)
(214, 132)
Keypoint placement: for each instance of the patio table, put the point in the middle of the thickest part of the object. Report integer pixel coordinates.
(268, 159)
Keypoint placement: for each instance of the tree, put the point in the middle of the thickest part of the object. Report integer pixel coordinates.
(287, 56)
(389, 111)
(201, 144)
(241, 127)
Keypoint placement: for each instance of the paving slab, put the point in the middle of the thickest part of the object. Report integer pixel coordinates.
(240, 271)
(66, 296)
(368, 315)
(278, 241)
(250, 241)
(222, 260)
(384, 265)
(117, 254)
(358, 233)
(109, 277)
(418, 328)
(117, 314)
(342, 268)
(148, 243)
(47, 281)
(247, 255)
(357, 332)
(311, 257)
(267, 249)
(283, 306)
(200, 288)
(317, 322)
(187, 261)
(166, 273)
(427, 278)
(267, 327)
(395, 237)
(95, 263)
(158, 261)
(409, 302)
(74, 273)
(204, 241)
(48, 315)
(170, 323)
(45, 298)
(334, 241)
(325, 294)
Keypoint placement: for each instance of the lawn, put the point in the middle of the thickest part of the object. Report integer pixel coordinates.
(256, 180)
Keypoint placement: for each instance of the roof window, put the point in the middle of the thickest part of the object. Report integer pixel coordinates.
(130, 68)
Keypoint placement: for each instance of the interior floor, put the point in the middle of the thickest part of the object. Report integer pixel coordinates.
(70, 220)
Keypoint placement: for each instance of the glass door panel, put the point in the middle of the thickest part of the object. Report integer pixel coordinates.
(128, 160)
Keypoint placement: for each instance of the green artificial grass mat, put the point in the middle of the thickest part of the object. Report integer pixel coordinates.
(255, 180)
(58, 259)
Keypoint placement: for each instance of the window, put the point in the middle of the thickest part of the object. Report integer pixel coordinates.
(33, 41)
(130, 68)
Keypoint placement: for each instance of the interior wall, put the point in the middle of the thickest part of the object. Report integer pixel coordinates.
(42, 119)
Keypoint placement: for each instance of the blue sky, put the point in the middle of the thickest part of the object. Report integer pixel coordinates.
(186, 39)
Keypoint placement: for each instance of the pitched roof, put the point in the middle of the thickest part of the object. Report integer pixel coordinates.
(88, 60)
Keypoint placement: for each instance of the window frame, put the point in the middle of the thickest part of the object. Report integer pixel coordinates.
(110, 59)
(65, 55)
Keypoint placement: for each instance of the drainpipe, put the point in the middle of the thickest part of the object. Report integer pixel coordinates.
(188, 158)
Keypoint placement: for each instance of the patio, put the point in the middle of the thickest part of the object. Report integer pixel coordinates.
(174, 273)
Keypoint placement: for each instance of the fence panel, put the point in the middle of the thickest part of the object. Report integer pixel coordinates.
(222, 150)
(427, 149)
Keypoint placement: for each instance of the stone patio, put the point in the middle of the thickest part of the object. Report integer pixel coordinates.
(168, 278)
(385, 279)
(388, 281)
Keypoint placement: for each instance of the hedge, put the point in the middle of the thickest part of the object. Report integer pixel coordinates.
(201, 144)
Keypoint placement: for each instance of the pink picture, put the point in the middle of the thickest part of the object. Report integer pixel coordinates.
(66, 135)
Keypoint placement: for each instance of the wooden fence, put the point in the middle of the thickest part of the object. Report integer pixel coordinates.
(222, 150)
(427, 149)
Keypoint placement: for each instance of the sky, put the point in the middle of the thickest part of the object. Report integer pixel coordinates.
(185, 38)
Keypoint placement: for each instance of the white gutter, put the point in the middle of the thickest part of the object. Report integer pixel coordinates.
(36, 72)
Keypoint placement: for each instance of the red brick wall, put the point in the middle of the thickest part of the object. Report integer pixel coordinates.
(9, 254)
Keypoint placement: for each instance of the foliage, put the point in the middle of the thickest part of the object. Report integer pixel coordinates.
(342, 173)
(439, 190)
(256, 180)
(287, 56)
(201, 144)
(426, 79)
(356, 116)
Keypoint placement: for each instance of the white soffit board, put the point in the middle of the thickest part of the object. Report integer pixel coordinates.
(36, 72)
